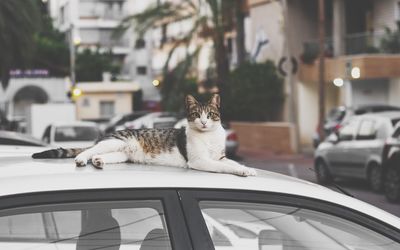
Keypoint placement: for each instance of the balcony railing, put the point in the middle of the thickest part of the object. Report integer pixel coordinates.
(358, 43)
(362, 43)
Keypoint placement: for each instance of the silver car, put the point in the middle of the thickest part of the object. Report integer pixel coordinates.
(356, 149)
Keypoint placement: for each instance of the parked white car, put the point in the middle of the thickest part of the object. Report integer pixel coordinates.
(71, 134)
(50, 204)
(356, 150)
(152, 120)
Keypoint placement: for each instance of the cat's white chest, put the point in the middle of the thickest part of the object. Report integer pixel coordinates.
(210, 144)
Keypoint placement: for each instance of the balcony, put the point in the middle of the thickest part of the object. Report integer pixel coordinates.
(370, 65)
(360, 50)
(104, 10)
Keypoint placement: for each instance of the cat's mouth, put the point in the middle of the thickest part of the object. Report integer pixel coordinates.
(203, 128)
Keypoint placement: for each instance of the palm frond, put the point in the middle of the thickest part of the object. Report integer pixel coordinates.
(19, 20)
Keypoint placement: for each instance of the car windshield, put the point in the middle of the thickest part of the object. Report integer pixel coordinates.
(76, 133)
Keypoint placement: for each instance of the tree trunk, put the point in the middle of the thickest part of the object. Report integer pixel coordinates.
(240, 32)
(5, 77)
(221, 59)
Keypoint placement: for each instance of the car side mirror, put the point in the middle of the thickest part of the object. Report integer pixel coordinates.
(268, 238)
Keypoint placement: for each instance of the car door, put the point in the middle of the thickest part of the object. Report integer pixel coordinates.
(94, 219)
(282, 222)
(338, 154)
(365, 146)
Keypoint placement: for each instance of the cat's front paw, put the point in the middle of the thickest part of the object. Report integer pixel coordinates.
(80, 161)
(252, 172)
(98, 162)
(245, 171)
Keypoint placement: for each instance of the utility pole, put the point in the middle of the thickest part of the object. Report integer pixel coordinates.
(72, 54)
(321, 75)
(290, 80)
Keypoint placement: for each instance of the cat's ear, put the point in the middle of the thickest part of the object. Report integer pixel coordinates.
(215, 100)
(190, 101)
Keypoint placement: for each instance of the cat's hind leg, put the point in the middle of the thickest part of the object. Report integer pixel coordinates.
(99, 161)
(102, 147)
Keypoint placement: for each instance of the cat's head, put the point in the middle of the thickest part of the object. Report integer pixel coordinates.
(203, 117)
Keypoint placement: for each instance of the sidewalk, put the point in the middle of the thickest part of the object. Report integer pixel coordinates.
(301, 158)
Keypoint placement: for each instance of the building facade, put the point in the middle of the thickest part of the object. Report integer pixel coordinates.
(92, 24)
(22, 92)
(354, 29)
(104, 100)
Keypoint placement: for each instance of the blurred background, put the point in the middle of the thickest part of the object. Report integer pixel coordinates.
(290, 73)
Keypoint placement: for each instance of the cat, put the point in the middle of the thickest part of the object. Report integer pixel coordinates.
(200, 145)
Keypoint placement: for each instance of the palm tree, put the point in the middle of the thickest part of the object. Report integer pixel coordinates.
(211, 24)
(19, 20)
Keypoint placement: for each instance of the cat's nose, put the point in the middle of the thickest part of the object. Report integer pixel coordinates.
(203, 122)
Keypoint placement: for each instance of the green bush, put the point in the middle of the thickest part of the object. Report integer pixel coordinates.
(255, 93)
(90, 65)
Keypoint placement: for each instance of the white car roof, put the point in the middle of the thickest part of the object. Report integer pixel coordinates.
(25, 175)
(384, 114)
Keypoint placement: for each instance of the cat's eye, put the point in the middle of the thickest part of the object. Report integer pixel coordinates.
(195, 115)
(211, 114)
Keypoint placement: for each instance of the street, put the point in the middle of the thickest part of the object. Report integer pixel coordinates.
(302, 167)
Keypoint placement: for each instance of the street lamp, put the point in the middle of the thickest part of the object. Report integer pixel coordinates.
(355, 72)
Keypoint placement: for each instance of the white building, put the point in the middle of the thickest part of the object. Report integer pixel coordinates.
(91, 24)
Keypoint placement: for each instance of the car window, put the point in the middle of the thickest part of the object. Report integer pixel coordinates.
(289, 227)
(396, 133)
(367, 130)
(348, 131)
(395, 121)
(76, 133)
(98, 225)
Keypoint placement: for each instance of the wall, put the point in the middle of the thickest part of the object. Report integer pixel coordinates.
(55, 89)
(303, 24)
(122, 104)
(394, 91)
(384, 14)
(277, 137)
(374, 91)
(271, 27)
(308, 94)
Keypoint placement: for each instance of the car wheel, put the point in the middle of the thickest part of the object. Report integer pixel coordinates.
(322, 172)
(375, 177)
(392, 184)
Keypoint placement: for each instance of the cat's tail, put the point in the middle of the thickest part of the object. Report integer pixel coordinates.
(58, 153)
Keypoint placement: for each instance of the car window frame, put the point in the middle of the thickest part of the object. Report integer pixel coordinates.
(197, 227)
(176, 225)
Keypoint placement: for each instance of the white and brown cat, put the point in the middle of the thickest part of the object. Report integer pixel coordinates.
(201, 145)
